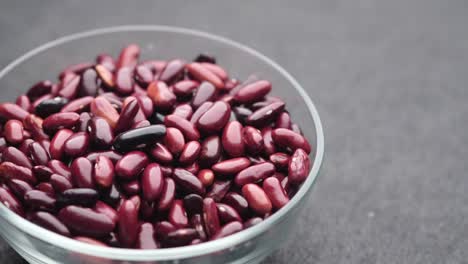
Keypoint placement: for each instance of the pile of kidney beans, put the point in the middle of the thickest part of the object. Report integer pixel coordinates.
(149, 154)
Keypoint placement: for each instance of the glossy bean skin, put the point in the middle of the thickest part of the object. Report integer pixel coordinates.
(82, 171)
(145, 237)
(268, 143)
(139, 136)
(143, 75)
(152, 182)
(253, 92)
(299, 167)
(19, 187)
(78, 196)
(78, 105)
(9, 170)
(183, 110)
(50, 106)
(128, 224)
(288, 138)
(57, 143)
(18, 157)
(103, 172)
(128, 56)
(210, 217)
(161, 154)
(105, 75)
(85, 221)
(280, 160)
(217, 70)
(190, 153)
(206, 177)
(49, 221)
(203, 74)
(197, 222)
(265, 115)
(40, 200)
(112, 155)
(60, 168)
(186, 127)
(103, 208)
(60, 120)
(228, 229)
(89, 83)
(13, 131)
(200, 111)
(219, 189)
(129, 111)
(34, 125)
(162, 97)
(210, 151)
(215, 118)
(131, 165)
(174, 140)
(181, 237)
(167, 195)
(275, 192)
(227, 213)
(193, 204)
(39, 89)
(123, 80)
(101, 107)
(10, 201)
(255, 173)
(231, 166)
(100, 132)
(205, 93)
(252, 221)
(76, 145)
(283, 121)
(12, 111)
(257, 198)
(39, 155)
(172, 70)
(60, 183)
(177, 214)
(238, 202)
(188, 181)
(253, 140)
(232, 139)
(47, 188)
(146, 105)
(185, 88)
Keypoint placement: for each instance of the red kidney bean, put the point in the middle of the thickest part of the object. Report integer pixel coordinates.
(135, 199)
(42, 173)
(238, 202)
(231, 166)
(210, 151)
(129, 56)
(128, 223)
(105, 75)
(227, 98)
(190, 153)
(283, 121)
(76, 68)
(193, 204)
(215, 118)
(146, 105)
(152, 182)
(184, 88)
(9, 170)
(184, 110)
(143, 123)
(143, 75)
(172, 70)
(100, 132)
(13, 132)
(76, 145)
(40, 200)
(78, 105)
(161, 154)
(268, 143)
(50, 222)
(60, 120)
(210, 217)
(253, 92)
(60, 183)
(163, 228)
(124, 80)
(257, 198)
(85, 221)
(255, 173)
(227, 213)
(185, 126)
(112, 155)
(200, 111)
(280, 160)
(50, 106)
(24, 102)
(268, 100)
(228, 229)
(106, 60)
(181, 237)
(39, 89)
(288, 138)
(82, 171)
(265, 115)
(299, 167)
(174, 140)
(12, 111)
(60, 168)
(232, 139)
(89, 83)
(78, 196)
(58, 141)
(201, 73)
(219, 190)
(101, 107)
(70, 89)
(131, 188)
(166, 171)
(129, 111)
(47, 188)
(177, 214)
(192, 168)
(103, 172)
(275, 192)
(162, 97)
(253, 140)
(131, 165)
(38, 154)
(19, 187)
(139, 136)
(252, 221)
(10, 201)
(3, 144)
(34, 125)
(206, 177)
(145, 238)
(206, 92)
(103, 208)
(167, 195)
(188, 181)
(17, 157)
(218, 71)
(197, 222)
(23, 149)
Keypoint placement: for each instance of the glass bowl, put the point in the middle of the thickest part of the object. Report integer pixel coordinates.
(38, 245)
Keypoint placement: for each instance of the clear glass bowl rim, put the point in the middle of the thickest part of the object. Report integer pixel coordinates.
(186, 251)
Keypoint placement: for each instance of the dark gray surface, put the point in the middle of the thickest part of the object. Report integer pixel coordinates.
(389, 79)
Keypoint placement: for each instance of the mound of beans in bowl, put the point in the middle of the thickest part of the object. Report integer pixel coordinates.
(149, 154)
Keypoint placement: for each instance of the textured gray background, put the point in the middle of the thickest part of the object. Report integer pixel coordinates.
(390, 81)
